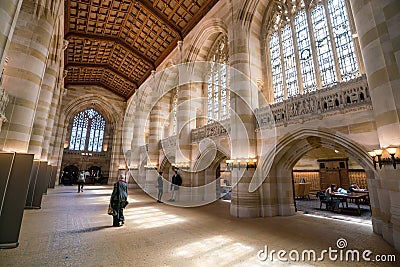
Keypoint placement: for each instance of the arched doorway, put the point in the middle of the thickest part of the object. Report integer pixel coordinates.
(317, 170)
(289, 150)
(69, 175)
(95, 175)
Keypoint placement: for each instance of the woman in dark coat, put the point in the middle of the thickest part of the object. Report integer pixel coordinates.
(119, 200)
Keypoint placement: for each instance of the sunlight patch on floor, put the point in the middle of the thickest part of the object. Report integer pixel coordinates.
(343, 218)
(221, 249)
(148, 217)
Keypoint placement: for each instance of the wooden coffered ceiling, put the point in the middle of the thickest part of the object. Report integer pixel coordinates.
(117, 43)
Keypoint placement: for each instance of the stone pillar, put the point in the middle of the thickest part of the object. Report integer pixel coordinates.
(50, 86)
(377, 23)
(57, 138)
(138, 140)
(23, 76)
(160, 105)
(117, 156)
(244, 98)
(9, 11)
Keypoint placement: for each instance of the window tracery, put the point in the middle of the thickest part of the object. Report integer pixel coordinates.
(318, 33)
(218, 96)
(87, 131)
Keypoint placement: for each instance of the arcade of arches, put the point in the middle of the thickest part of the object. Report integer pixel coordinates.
(253, 91)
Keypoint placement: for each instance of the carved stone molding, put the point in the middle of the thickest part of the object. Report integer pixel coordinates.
(168, 143)
(342, 98)
(215, 129)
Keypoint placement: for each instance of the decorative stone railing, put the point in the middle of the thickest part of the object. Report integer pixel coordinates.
(168, 143)
(342, 98)
(87, 154)
(3, 104)
(215, 129)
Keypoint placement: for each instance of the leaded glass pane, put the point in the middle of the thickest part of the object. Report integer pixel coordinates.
(305, 55)
(343, 39)
(290, 62)
(217, 93)
(324, 47)
(275, 53)
(88, 121)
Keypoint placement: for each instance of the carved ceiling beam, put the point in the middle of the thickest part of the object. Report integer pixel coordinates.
(120, 42)
(102, 66)
(161, 16)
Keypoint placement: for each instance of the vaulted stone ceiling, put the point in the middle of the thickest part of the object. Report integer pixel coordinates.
(117, 43)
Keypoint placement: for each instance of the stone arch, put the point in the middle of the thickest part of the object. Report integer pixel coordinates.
(102, 105)
(295, 145)
(289, 149)
(205, 37)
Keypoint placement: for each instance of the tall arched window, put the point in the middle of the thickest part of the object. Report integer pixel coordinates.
(310, 46)
(218, 95)
(87, 131)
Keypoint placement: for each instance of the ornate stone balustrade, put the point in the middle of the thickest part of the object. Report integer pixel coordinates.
(3, 104)
(342, 98)
(168, 143)
(215, 129)
(87, 154)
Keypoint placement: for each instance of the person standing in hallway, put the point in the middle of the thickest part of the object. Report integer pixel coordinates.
(119, 200)
(81, 181)
(160, 185)
(176, 182)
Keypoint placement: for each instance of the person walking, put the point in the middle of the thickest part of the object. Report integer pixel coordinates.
(119, 200)
(160, 185)
(176, 182)
(81, 181)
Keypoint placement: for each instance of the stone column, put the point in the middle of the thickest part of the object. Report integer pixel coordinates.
(160, 105)
(57, 138)
(117, 156)
(9, 11)
(244, 98)
(50, 85)
(138, 140)
(23, 77)
(377, 23)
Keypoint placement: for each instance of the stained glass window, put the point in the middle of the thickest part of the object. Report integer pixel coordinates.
(87, 131)
(275, 50)
(300, 31)
(218, 96)
(305, 55)
(343, 39)
(324, 47)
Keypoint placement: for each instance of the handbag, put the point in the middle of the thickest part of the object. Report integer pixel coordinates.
(110, 210)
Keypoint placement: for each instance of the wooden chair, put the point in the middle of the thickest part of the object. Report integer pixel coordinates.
(323, 199)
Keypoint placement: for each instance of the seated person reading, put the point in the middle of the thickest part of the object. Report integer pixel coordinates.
(354, 188)
(329, 193)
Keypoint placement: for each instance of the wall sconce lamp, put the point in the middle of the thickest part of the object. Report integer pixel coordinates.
(151, 166)
(250, 163)
(134, 167)
(384, 161)
(181, 166)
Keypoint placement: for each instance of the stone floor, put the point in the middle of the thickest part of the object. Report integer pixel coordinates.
(73, 229)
